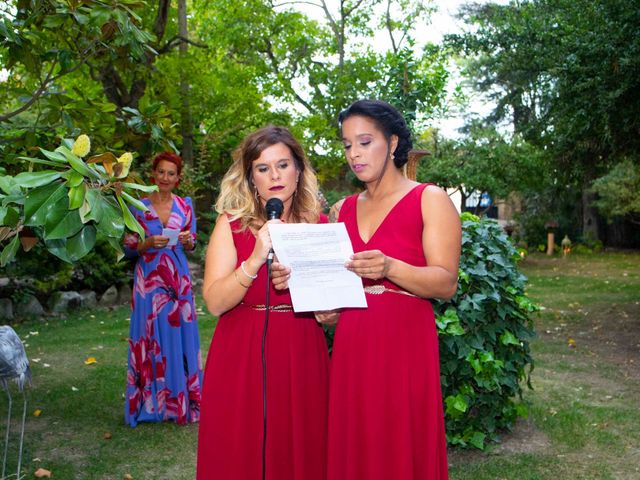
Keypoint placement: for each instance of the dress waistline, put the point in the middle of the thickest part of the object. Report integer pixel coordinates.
(283, 307)
(380, 289)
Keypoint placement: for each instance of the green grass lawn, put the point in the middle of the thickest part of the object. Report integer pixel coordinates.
(585, 406)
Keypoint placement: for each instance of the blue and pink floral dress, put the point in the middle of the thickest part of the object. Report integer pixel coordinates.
(164, 374)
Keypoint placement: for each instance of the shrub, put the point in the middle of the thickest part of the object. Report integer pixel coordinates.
(484, 334)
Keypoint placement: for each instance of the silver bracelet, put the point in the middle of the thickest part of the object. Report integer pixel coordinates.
(252, 277)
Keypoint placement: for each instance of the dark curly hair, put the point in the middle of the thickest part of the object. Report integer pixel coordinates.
(390, 122)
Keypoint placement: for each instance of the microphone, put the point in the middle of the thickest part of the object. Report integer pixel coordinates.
(274, 208)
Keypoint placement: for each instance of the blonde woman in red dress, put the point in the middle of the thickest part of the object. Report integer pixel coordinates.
(269, 163)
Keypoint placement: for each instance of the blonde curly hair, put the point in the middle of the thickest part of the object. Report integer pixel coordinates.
(237, 198)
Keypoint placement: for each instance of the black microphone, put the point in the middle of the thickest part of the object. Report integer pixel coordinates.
(274, 208)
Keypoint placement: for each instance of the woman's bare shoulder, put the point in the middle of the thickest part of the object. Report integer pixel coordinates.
(334, 212)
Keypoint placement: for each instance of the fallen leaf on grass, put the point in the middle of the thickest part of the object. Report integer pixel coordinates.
(37, 412)
(90, 361)
(571, 343)
(108, 435)
(42, 473)
(127, 477)
(75, 389)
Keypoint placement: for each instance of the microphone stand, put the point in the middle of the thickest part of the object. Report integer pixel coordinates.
(274, 209)
(267, 305)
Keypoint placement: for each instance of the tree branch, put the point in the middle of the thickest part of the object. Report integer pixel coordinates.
(177, 40)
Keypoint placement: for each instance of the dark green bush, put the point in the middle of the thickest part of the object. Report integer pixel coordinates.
(484, 334)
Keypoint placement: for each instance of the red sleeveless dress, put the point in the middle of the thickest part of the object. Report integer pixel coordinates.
(386, 419)
(231, 423)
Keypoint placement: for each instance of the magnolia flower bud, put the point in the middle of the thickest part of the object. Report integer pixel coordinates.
(81, 146)
(121, 168)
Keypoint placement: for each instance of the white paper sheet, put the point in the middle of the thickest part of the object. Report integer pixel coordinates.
(316, 254)
(172, 234)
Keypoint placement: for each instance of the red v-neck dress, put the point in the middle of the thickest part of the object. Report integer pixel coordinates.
(386, 418)
(231, 425)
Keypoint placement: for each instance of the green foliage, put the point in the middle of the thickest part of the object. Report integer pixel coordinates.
(484, 334)
(619, 191)
(99, 270)
(71, 203)
(566, 75)
(484, 161)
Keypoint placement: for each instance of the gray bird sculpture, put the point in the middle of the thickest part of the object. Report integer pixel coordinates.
(13, 366)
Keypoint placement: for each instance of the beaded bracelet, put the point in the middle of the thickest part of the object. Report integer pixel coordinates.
(252, 277)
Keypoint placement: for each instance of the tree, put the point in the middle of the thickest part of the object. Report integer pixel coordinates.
(309, 70)
(567, 74)
(483, 161)
(619, 192)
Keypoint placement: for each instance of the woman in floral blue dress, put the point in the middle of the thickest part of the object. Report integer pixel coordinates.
(165, 365)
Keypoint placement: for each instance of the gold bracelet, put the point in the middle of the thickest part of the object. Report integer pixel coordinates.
(235, 274)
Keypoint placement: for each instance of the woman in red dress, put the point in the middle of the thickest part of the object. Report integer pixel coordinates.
(386, 419)
(269, 163)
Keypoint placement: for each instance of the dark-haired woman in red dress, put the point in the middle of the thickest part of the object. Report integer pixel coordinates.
(386, 418)
(385, 406)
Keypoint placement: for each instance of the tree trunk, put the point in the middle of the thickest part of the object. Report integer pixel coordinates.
(185, 110)
(589, 215)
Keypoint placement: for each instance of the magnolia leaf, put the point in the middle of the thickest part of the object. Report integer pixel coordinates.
(129, 220)
(9, 216)
(107, 159)
(8, 185)
(27, 241)
(76, 196)
(91, 208)
(69, 225)
(40, 203)
(36, 179)
(117, 247)
(73, 178)
(141, 187)
(55, 156)
(111, 225)
(77, 164)
(74, 248)
(5, 232)
(133, 201)
(9, 251)
(40, 161)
